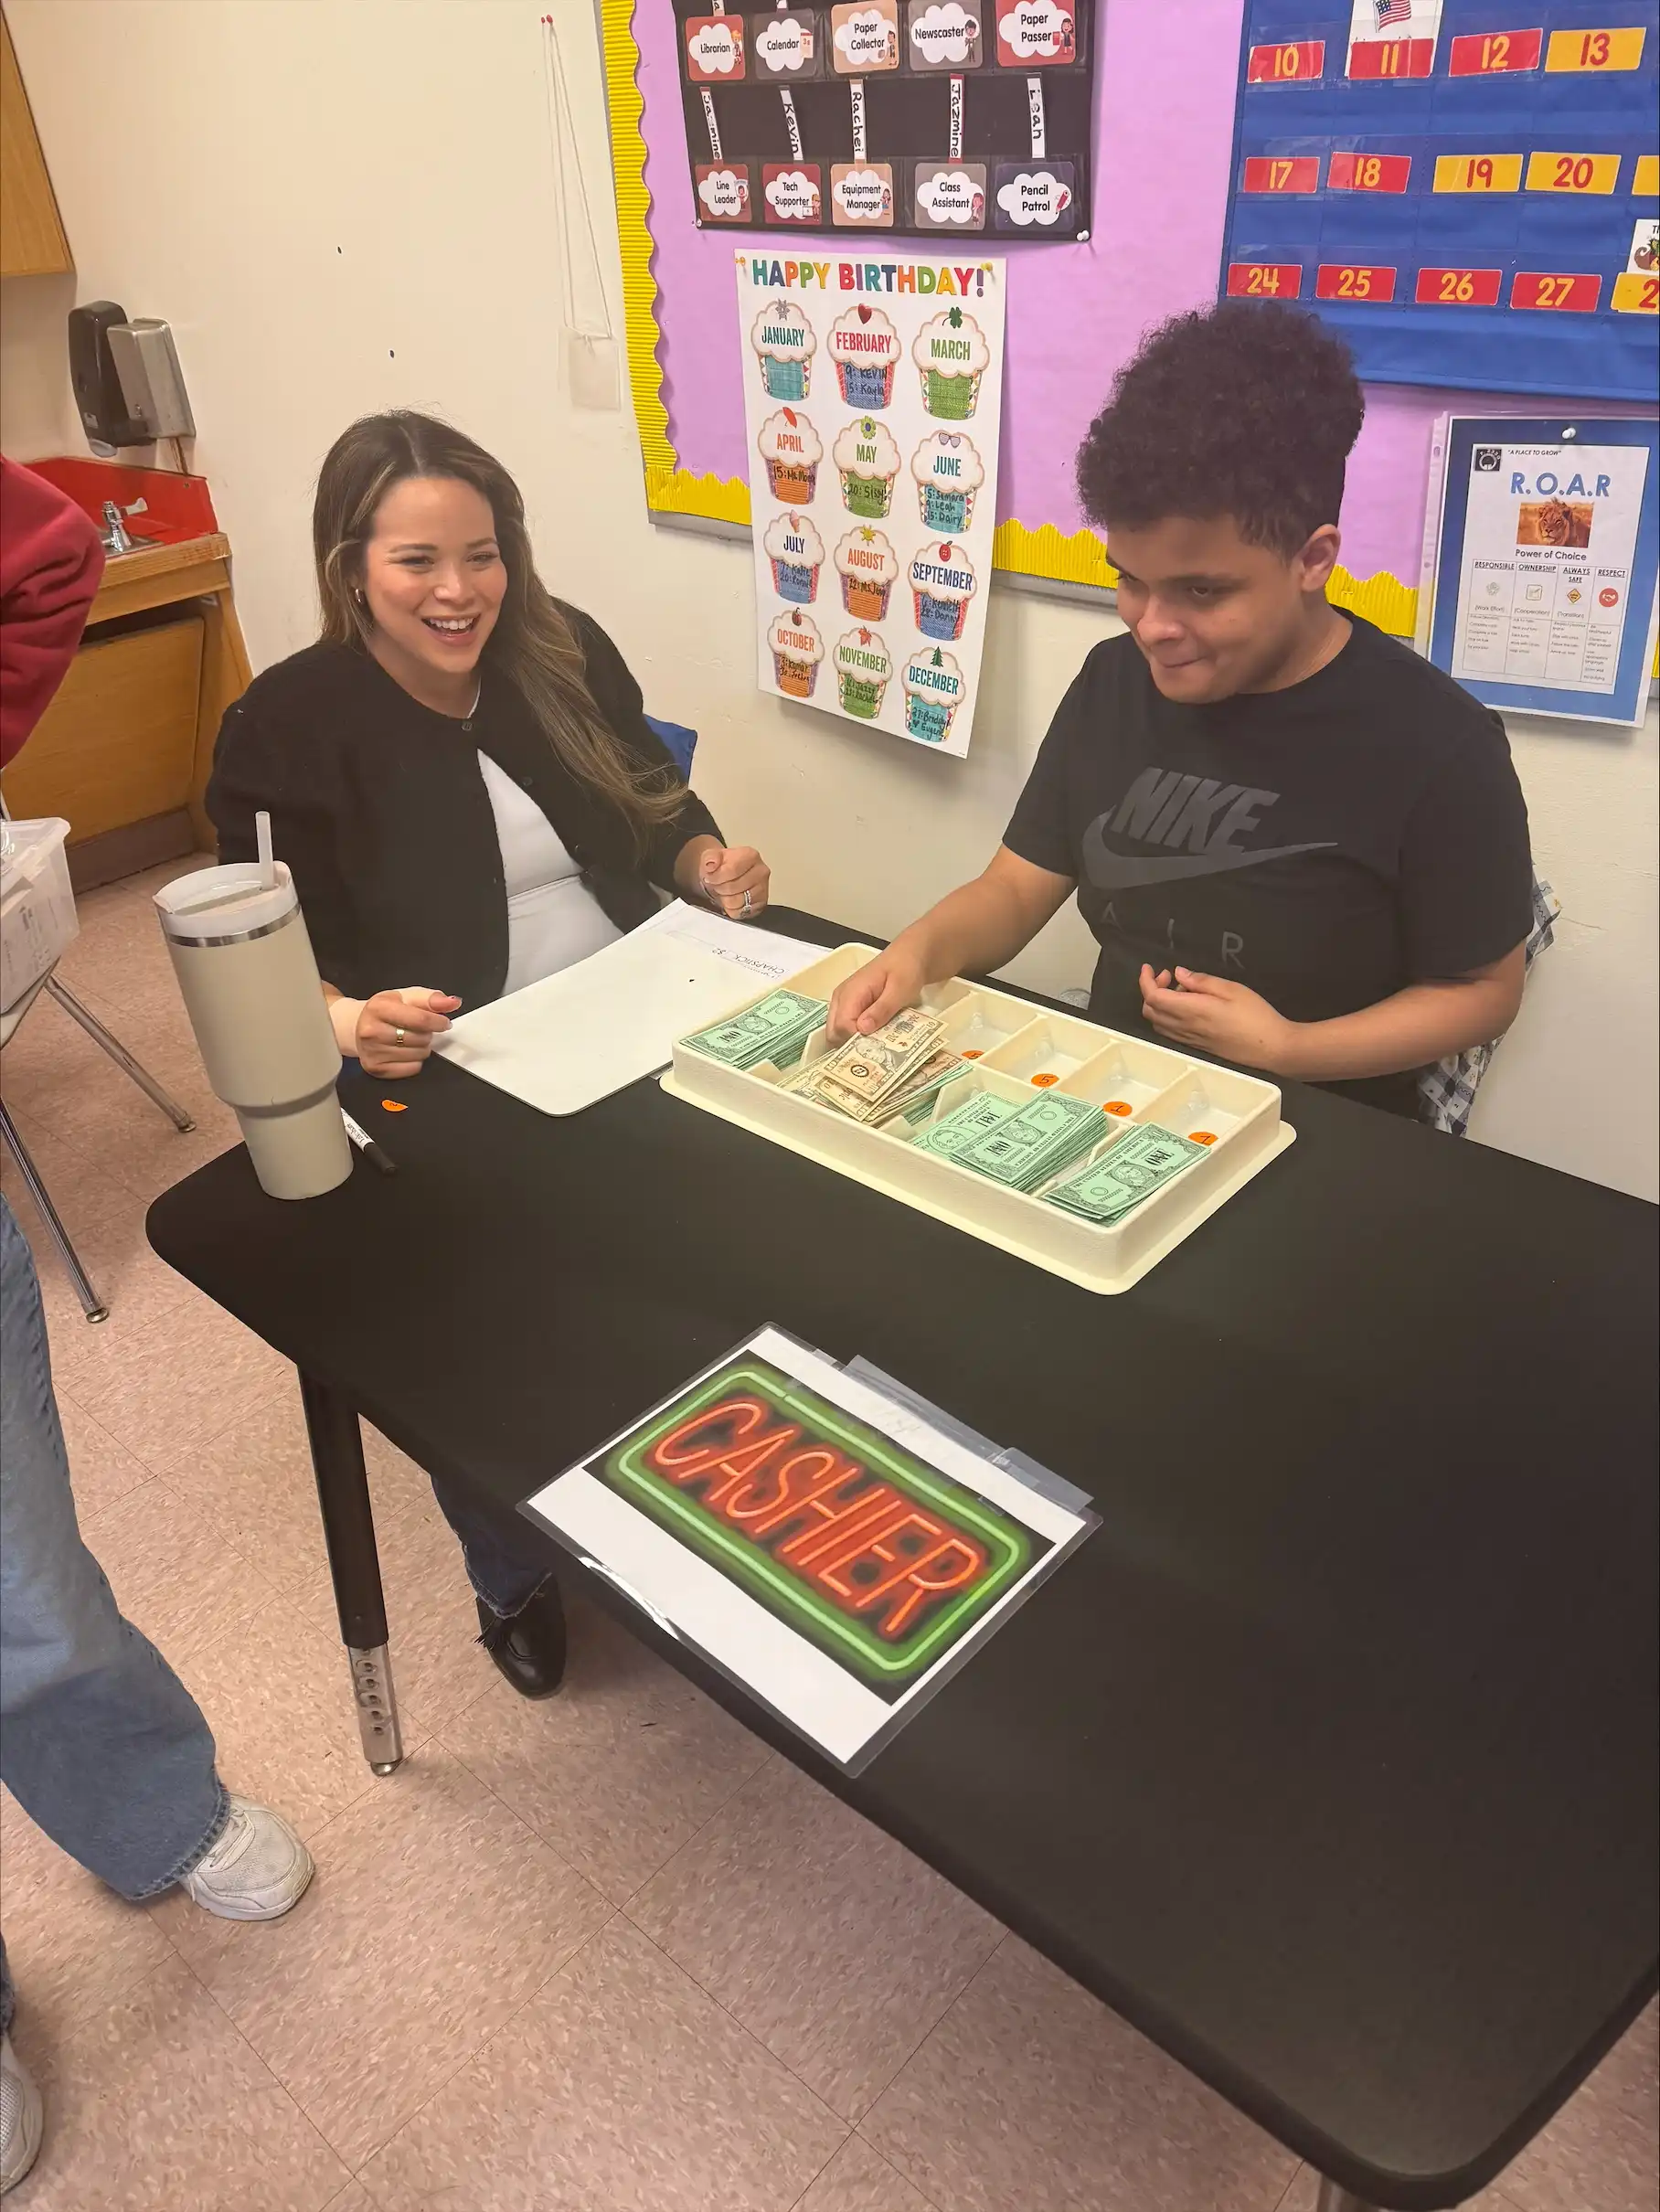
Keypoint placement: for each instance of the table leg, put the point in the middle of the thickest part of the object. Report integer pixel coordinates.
(1334, 2198)
(348, 1528)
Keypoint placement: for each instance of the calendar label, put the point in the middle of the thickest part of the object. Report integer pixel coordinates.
(1282, 173)
(1572, 171)
(1459, 287)
(1369, 172)
(1352, 280)
(1610, 50)
(1569, 294)
(1478, 173)
(1264, 280)
(1636, 296)
(1300, 62)
(1494, 53)
(1391, 59)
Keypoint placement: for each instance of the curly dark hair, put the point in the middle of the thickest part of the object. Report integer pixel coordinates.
(1247, 409)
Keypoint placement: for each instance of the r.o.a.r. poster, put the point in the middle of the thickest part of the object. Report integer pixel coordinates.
(873, 393)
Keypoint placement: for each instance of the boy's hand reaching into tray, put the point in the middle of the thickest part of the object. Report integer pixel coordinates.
(871, 998)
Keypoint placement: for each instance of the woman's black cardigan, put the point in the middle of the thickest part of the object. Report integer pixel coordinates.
(378, 805)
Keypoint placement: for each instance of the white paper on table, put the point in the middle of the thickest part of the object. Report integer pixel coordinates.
(800, 1681)
(576, 1037)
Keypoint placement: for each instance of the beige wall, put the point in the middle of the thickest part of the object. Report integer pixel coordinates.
(342, 205)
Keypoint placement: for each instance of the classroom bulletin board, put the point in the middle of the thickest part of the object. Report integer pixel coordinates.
(1167, 117)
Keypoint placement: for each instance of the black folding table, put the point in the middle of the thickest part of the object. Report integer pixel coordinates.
(1329, 1760)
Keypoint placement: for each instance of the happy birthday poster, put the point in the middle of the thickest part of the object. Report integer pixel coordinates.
(873, 398)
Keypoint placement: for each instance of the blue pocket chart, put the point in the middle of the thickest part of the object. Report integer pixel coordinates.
(1468, 189)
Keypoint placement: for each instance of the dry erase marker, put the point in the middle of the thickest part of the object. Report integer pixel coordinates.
(366, 1146)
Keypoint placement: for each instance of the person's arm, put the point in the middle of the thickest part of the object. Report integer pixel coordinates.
(1410, 1029)
(972, 932)
(50, 560)
(259, 766)
(687, 854)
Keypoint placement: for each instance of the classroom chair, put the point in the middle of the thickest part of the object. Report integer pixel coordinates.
(48, 985)
(1446, 1092)
(681, 743)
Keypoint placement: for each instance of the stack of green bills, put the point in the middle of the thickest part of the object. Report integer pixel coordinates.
(1139, 1164)
(774, 1028)
(1018, 1144)
(897, 1069)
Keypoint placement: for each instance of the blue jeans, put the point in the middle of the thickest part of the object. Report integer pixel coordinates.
(101, 1742)
(508, 1561)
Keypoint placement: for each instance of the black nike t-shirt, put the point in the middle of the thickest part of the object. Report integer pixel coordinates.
(1326, 845)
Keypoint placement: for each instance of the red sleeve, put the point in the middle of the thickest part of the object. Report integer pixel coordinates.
(50, 560)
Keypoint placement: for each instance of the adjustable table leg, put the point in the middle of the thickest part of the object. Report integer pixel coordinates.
(348, 1528)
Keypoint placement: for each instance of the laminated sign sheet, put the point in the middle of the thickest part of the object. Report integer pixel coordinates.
(834, 1550)
(873, 398)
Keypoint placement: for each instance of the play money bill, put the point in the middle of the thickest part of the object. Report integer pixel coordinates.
(965, 1124)
(781, 1021)
(1139, 1164)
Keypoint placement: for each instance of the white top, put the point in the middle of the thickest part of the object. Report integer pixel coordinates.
(553, 919)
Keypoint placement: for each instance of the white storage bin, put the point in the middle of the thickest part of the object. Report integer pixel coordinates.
(37, 919)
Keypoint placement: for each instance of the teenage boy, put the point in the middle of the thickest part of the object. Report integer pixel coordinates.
(1301, 847)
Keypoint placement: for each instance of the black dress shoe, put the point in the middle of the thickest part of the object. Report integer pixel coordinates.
(528, 1645)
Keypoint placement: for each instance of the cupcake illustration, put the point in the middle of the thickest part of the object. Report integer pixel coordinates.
(934, 689)
(952, 357)
(797, 650)
(791, 447)
(868, 461)
(863, 666)
(942, 583)
(784, 343)
(949, 472)
(865, 346)
(867, 565)
(796, 552)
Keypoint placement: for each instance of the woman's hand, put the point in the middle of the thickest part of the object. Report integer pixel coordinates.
(392, 1033)
(732, 878)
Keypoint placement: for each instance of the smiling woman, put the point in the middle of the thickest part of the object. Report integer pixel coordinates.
(461, 777)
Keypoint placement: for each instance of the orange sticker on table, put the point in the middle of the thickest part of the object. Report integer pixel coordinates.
(1354, 280)
(1264, 280)
(1043, 1081)
(1458, 287)
(1391, 59)
(1571, 294)
(1300, 62)
(1118, 1106)
(1617, 48)
(1282, 173)
(1494, 53)
(395, 1105)
(1596, 173)
(973, 1053)
(1201, 1136)
(1368, 172)
(1635, 295)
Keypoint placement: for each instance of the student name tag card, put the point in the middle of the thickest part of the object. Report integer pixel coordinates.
(873, 395)
(839, 1554)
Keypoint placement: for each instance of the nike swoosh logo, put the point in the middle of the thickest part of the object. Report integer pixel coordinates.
(1114, 872)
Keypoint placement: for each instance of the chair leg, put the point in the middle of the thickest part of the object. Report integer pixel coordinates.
(123, 1059)
(92, 1304)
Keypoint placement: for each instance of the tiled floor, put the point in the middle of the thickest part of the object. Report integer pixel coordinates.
(572, 1958)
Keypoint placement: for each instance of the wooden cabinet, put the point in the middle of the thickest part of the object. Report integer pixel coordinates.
(32, 241)
(117, 745)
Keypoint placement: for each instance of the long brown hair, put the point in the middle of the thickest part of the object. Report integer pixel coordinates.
(532, 644)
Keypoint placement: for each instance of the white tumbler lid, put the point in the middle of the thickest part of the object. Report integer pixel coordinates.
(222, 905)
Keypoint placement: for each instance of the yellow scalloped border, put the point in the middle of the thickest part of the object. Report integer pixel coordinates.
(672, 490)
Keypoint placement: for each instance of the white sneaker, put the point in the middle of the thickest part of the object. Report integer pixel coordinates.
(257, 1870)
(20, 2117)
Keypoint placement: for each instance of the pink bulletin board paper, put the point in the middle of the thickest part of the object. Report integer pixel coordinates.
(1163, 141)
